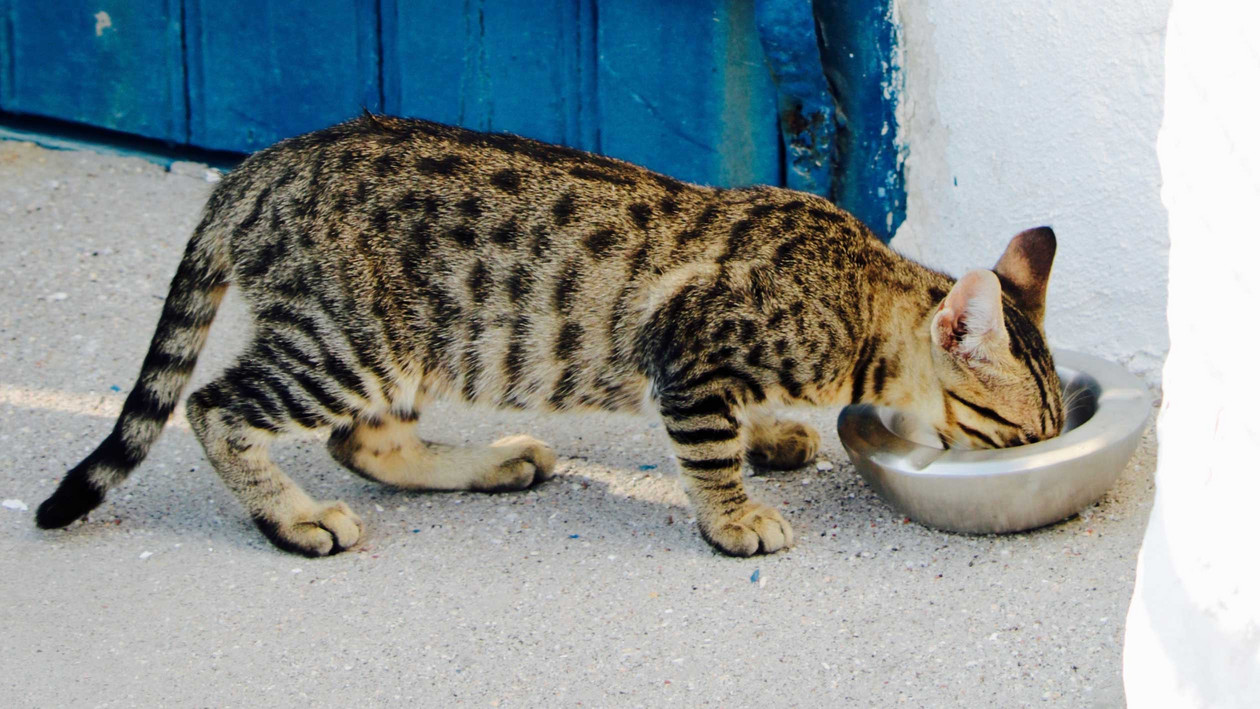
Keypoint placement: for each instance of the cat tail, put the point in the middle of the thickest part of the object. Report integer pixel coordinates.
(196, 291)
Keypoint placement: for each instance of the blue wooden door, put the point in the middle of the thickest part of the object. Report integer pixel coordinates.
(265, 70)
(117, 64)
(497, 65)
(680, 86)
(684, 88)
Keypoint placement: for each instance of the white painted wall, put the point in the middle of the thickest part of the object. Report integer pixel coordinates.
(1044, 112)
(1192, 638)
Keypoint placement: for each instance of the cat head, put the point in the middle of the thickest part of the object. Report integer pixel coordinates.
(989, 352)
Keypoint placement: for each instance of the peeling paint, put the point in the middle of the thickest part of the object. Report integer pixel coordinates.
(807, 115)
(858, 43)
(102, 22)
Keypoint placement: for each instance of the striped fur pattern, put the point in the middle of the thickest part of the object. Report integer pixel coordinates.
(388, 262)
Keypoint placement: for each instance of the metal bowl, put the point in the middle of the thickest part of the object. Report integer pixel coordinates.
(1009, 489)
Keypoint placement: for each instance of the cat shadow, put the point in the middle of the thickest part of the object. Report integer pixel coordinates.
(592, 502)
(602, 495)
(175, 495)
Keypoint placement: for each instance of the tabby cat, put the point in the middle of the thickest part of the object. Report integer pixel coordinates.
(388, 262)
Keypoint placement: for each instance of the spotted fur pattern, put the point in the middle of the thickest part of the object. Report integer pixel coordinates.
(388, 262)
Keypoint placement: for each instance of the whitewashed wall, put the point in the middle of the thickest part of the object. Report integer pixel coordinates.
(1193, 633)
(1018, 114)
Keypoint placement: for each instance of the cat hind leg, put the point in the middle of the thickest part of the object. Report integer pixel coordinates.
(388, 449)
(236, 432)
(779, 444)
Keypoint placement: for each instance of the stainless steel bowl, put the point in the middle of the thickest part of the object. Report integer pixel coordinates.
(1009, 489)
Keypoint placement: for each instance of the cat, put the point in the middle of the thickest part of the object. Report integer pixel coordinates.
(390, 261)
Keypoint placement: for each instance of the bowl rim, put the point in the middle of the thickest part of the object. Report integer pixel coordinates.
(1123, 406)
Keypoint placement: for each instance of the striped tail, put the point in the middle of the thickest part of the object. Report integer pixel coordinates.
(191, 305)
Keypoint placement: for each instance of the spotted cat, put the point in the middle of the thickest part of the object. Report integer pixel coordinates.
(388, 262)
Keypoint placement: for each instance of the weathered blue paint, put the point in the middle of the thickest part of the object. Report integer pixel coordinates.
(807, 114)
(110, 63)
(683, 88)
(6, 53)
(857, 43)
(268, 69)
(678, 87)
(499, 65)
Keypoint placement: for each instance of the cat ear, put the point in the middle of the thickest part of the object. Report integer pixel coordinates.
(969, 324)
(1025, 270)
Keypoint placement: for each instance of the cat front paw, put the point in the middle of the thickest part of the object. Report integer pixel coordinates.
(322, 529)
(754, 528)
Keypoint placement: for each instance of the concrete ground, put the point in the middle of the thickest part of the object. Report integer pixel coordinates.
(591, 590)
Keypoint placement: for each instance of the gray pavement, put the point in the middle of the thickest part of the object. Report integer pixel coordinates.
(591, 590)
